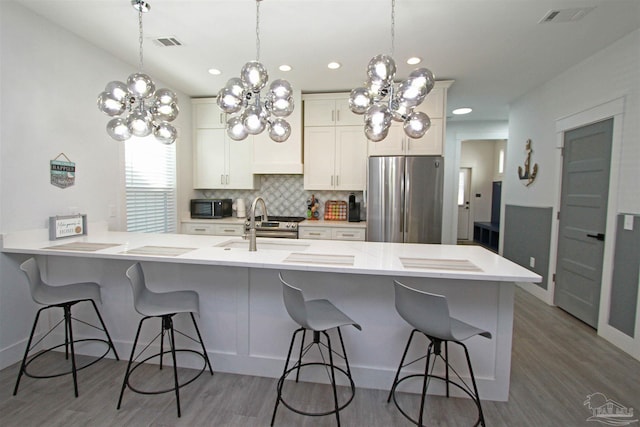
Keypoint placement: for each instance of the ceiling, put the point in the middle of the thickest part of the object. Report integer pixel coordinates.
(495, 50)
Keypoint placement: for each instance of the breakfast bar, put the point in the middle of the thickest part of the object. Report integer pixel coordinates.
(242, 316)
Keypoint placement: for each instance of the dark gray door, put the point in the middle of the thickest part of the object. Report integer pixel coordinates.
(583, 214)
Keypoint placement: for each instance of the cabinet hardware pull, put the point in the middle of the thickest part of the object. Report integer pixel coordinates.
(227, 179)
(226, 230)
(347, 234)
(314, 234)
(200, 229)
(337, 180)
(333, 117)
(221, 119)
(222, 179)
(338, 116)
(332, 180)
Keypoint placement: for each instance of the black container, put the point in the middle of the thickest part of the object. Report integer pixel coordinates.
(354, 209)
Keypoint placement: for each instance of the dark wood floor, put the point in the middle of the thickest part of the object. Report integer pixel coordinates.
(557, 361)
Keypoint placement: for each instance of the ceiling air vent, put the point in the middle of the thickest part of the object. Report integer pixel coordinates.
(167, 41)
(565, 15)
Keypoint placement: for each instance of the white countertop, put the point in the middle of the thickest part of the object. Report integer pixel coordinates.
(386, 259)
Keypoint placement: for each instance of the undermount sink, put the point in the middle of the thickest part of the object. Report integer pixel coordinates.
(264, 245)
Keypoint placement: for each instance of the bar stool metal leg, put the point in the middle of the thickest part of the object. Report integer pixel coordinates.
(204, 350)
(172, 342)
(26, 351)
(67, 321)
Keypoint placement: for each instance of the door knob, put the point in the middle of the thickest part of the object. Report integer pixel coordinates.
(599, 236)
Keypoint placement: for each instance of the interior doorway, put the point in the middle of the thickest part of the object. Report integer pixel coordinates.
(583, 215)
(481, 166)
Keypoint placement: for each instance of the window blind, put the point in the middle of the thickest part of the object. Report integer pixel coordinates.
(150, 169)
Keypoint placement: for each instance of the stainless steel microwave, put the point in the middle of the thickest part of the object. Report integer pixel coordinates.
(211, 208)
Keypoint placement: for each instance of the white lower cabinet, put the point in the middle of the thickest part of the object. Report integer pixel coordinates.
(213, 229)
(331, 233)
(320, 233)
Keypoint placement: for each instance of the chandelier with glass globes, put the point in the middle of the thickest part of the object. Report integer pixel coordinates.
(241, 96)
(382, 102)
(138, 108)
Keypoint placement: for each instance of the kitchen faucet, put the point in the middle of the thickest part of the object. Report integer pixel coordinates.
(252, 221)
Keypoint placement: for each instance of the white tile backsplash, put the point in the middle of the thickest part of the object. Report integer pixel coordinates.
(284, 195)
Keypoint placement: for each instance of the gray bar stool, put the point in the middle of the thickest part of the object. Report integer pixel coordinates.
(163, 306)
(317, 316)
(429, 314)
(65, 297)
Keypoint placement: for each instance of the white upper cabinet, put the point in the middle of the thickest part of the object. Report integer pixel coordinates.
(219, 162)
(271, 157)
(335, 150)
(329, 109)
(398, 143)
(335, 158)
(207, 114)
(432, 143)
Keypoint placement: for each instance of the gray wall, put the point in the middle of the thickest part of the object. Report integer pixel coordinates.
(624, 286)
(527, 233)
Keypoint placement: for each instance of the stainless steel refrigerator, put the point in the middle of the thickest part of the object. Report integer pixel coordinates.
(404, 199)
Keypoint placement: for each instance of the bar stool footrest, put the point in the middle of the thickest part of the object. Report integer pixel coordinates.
(443, 379)
(315, 414)
(138, 364)
(70, 371)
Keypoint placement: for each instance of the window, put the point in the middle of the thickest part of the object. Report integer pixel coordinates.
(150, 175)
(462, 180)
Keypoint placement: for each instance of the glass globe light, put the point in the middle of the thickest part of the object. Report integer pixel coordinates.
(279, 130)
(140, 85)
(110, 105)
(236, 130)
(254, 75)
(139, 123)
(254, 119)
(359, 100)
(165, 133)
(117, 89)
(117, 129)
(417, 124)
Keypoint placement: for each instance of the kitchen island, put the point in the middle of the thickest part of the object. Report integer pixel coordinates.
(243, 320)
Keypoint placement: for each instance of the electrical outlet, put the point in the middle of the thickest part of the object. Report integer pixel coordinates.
(628, 222)
(532, 262)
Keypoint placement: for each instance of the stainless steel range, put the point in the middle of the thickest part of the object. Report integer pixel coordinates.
(285, 227)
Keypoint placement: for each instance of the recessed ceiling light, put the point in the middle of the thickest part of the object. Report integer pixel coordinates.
(285, 67)
(334, 65)
(215, 71)
(460, 111)
(414, 60)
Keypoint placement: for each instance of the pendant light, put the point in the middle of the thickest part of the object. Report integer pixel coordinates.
(241, 96)
(137, 107)
(381, 101)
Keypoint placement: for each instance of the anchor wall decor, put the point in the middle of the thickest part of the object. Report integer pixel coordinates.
(527, 176)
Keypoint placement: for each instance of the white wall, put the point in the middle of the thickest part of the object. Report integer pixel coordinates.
(612, 73)
(50, 80)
